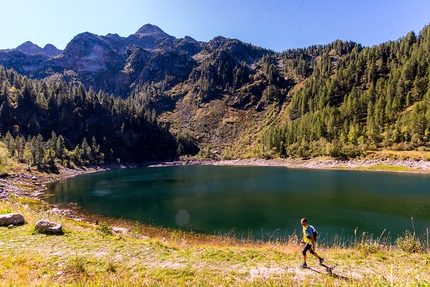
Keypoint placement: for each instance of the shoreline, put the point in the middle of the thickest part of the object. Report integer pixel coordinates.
(408, 166)
(419, 166)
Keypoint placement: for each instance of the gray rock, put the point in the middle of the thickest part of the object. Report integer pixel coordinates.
(11, 218)
(48, 227)
(110, 63)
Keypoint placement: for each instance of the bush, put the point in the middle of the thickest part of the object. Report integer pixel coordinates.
(369, 245)
(206, 154)
(409, 243)
(76, 265)
(4, 159)
(104, 228)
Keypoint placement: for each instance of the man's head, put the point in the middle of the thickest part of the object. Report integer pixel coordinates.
(304, 221)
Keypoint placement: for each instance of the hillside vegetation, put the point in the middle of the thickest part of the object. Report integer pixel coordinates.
(47, 123)
(367, 99)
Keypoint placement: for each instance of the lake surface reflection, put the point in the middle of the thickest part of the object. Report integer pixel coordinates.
(262, 201)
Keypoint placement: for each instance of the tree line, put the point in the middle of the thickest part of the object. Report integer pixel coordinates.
(45, 122)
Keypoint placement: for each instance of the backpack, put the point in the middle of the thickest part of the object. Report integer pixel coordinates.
(314, 232)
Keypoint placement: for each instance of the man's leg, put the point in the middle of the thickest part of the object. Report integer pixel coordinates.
(320, 259)
(305, 249)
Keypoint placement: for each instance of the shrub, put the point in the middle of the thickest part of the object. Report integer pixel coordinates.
(104, 228)
(369, 245)
(409, 243)
(76, 265)
(4, 159)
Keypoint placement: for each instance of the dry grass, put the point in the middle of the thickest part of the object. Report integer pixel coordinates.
(150, 256)
(399, 155)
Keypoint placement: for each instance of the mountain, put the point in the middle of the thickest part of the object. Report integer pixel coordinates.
(51, 50)
(149, 37)
(32, 49)
(119, 65)
(108, 62)
(233, 99)
(28, 58)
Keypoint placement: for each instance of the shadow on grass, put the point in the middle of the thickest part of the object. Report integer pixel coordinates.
(329, 271)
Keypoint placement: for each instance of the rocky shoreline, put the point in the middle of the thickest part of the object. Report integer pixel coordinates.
(409, 165)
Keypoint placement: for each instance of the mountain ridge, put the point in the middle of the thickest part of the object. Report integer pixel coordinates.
(90, 57)
(30, 48)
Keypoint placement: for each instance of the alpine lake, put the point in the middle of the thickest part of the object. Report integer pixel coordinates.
(256, 202)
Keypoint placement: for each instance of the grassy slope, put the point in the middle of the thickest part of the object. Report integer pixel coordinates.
(147, 256)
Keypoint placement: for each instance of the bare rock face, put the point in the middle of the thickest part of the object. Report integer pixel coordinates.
(11, 219)
(48, 227)
(110, 63)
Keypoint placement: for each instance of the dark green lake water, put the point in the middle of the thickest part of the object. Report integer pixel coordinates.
(261, 201)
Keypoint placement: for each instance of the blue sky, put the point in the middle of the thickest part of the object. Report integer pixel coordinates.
(272, 24)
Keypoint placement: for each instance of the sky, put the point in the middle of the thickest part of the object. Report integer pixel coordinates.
(273, 24)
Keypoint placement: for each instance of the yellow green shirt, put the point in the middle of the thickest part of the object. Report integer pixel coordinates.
(307, 231)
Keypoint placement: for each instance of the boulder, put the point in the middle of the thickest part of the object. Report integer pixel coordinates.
(48, 227)
(11, 219)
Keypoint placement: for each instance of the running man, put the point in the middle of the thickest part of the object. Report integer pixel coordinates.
(309, 240)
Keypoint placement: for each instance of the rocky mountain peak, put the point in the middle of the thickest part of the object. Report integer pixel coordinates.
(32, 49)
(29, 48)
(86, 43)
(149, 37)
(51, 50)
(84, 36)
(150, 30)
(118, 64)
